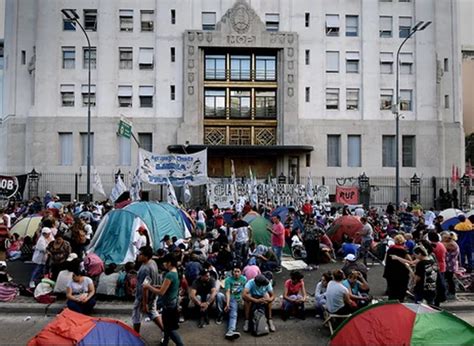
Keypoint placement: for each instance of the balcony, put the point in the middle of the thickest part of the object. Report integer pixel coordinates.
(239, 75)
(242, 113)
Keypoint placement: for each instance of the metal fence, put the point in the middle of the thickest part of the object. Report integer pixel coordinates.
(382, 189)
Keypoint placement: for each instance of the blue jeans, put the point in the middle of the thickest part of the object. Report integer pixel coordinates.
(241, 251)
(220, 300)
(233, 311)
(278, 250)
(82, 308)
(38, 272)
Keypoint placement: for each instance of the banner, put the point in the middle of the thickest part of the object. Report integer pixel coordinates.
(179, 169)
(97, 183)
(8, 186)
(347, 195)
(125, 129)
(118, 189)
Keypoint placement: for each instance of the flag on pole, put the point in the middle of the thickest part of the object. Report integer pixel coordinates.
(118, 189)
(187, 193)
(171, 195)
(309, 187)
(253, 188)
(233, 186)
(97, 183)
(135, 186)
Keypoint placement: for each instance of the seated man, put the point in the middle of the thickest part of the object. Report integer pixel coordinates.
(358, 286)
(339, 300)
(234, 286)
(203, 294)
(258, 291)
(351, 264)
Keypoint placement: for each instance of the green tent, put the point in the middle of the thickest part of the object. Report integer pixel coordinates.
(260, 234)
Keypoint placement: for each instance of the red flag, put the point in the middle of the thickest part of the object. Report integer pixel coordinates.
(453, 174)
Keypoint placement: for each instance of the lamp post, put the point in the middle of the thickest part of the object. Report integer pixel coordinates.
(396, 109)
(364, 186)
(72, 15)
(415, 189)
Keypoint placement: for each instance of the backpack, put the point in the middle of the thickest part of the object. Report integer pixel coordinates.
(131, 281)
(8, 292)
(259, 323)
(93, 265)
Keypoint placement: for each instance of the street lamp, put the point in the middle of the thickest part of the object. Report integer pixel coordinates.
(415, 188)
(420, 26)
(72, 15)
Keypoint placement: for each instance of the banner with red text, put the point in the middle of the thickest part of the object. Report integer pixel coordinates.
(347, 195)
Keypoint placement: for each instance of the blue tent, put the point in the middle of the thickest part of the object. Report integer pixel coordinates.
(114, 237)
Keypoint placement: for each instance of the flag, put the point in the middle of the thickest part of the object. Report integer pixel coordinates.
(171, 195)
(233, 181)
(309, 187)
(187, 193)
(135, 186)
(253, 188)
(118, 189)
(97, 183)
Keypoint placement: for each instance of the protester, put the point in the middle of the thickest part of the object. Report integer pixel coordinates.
(294, 296)
(203, 294)
(241, 235)
(233, 287)
(339, 299)
(425, 276)
(357, 286)
(397, 273)
(58, 251)
(40, 255)
(80, 293)
(278, 239)
(258, 292)
(465, 232)
(452, 265)
(351, 263)
(168, 292)
(320, 293)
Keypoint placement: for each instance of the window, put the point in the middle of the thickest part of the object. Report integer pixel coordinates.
(67, 95)
(215, 67)
(93, 55)
(408, 151)
(446, 65)
(23, 57)
(125, 58)
(406, 63)
(172, 54)
(90, 20)
(306, 19)
(125, 151)
(306, 57)
(125, 95)
(385, 26)
(126, 20)
(388, 151)
(352, 99)
(385, 0)
(85, 99)
(354, 151)
(84, 148)
(406, 100)
(307, 94)
(65, 148)
(386, 99)
(146, 96)
(404, 26)
(146, 140)
(352, 62)
(173, 16)
(265, 67)
(145, 59)
(214, 103)
(147, 20)
(208, 20)
(172, 92)
(265, 104)
(68, 24)
(446, 101)
(334, 151)
(332, 98)
(240, 67)
(69, 57)
(332, 61)
(404, 0)
(272, 21)
(240, 103)
(386, 63)
(352, 26)
(332, 25)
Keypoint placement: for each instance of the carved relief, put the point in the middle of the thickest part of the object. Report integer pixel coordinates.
(240, 18)
(439, 71)
(291, 38)
(241, 39)
(290, 92)
(290, 78)
(200, 36)
(290, 65)
(290, 52)
(191, 90)
(191, 63)
(190, 77)
(191, 36)
(191, 50)
(209, 37)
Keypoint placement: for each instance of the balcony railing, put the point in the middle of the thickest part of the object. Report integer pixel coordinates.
(242, 113)
(240, 75)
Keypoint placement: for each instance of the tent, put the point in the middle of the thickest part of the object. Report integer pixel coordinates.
(260, 234)
(450, 217)
(26, 226)
(72, 328)
(114, 237)
(344, 225)
(394, 323)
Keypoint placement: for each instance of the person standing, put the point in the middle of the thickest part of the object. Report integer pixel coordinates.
(452, 265)
(367, 234)
(145, 301)
(241, 235)
(40, 255)
(397, 273)
(278, 239)
(168, 292)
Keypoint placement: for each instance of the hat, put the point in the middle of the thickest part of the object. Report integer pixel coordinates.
(72, 256)
(261, 280)
(46, 230)
(350, 257)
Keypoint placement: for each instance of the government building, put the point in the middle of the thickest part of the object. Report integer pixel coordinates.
(289, 88)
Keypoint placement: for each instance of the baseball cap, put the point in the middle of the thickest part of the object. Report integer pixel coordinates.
(350, 257)
(46, 230)
(72, 256)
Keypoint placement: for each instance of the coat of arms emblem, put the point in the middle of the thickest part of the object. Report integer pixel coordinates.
(240, 19)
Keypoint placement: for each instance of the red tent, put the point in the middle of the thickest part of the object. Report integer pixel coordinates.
(72, 328)
(348, 225)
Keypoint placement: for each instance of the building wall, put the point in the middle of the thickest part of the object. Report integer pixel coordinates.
(466, 27)
(33, 114)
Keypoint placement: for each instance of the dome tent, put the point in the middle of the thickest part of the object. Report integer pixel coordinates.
(113, 240)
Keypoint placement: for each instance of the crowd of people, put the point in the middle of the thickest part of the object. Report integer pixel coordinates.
(221, 268)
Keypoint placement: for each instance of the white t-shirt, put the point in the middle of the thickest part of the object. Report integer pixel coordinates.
(107, 284)
(201, 216)
(335, 296)
(80, 288)
(64, 277)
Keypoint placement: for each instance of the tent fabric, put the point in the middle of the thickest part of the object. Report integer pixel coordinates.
(344, 225)
(72, 328)
(115, 234)
(26, 226)
(260, 235)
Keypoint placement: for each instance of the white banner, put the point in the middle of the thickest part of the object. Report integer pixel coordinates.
(179, 169)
